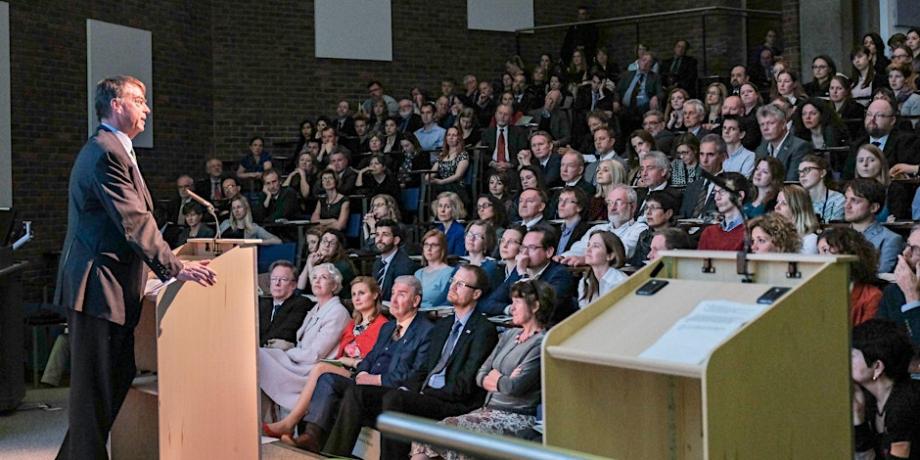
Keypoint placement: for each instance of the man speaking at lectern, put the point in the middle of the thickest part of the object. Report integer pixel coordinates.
(111, 236)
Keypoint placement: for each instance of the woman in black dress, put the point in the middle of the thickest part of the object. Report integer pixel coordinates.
(332, 209)
(376, 178)
(886, 401)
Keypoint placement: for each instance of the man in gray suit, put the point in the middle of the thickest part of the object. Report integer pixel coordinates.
(553, 119)
(111, 236)
(779, 142)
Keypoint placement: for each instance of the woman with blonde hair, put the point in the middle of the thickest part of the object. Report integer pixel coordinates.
(383, 206)
(447, 210)
(240, 224)
(609, 173)
(435, 274)
(794, 204)
(674, 110)
(605, 255)
(772, 233)
(357, 340)
(450, 169)
(715, 96)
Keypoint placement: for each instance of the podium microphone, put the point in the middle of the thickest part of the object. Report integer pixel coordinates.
(211, 209)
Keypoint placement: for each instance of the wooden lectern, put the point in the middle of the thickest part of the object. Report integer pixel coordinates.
(203, 401)
(779, 387)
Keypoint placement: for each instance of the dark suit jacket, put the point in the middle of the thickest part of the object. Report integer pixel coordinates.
(642, 194)
(517, 140)
(174, 208)
(560, 125)
(691, 194)
(400, 363)
(400, 265)
(203, 187)
(477, 339)
(652, 89)
(551, 177)
(556, 274)
(664, 141)
(890, 308)
(900, 147)
(345, 127)
(285, 206)
(686, 74)
(580, 229)
(286, 322)
(701, 132)
(111, 235)
(790, 155)
(409, 126)
(346, 182)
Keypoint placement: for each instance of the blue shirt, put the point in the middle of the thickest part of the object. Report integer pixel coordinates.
(432, 139)
(435, 286)
(888, 243)
(729, 225)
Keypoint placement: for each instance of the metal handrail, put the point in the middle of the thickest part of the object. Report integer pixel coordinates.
(479, 445)
(640, 17)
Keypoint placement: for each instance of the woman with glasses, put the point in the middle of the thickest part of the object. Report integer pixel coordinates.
(382, 207)
(480, 242)
(357, 340)
(329, 250)
(794, 204)
(284, 373)
(815, 178)
(865, 287)
(240, 224)
(767, 179)
(332, 209)
(685, 168)
(510, 375)
(605, 255)
(886, 400)
(822, 68)
(435, 274)
(491, 211)
(660, 209)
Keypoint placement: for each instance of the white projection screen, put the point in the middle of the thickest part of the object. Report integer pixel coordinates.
(354, 29)
(6, 148)
(112, 49)
(499, 15)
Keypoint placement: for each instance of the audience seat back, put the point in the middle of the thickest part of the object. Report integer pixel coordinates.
(273, 252)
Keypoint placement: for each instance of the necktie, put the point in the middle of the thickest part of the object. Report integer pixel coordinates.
(594, 98)
(877, 143)
(398, 332)
(635, 92)
(380, 272)
(215, 190)
(275, 311)
(701, 199)
(500, 148)
(675, 65)
(438, 373)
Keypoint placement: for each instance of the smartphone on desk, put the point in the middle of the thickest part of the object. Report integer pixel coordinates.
(651, 287)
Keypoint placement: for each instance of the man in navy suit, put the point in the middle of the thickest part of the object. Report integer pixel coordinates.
(541, 144)
(779, 142)
(112, 240)
(535, 261)
(460, 343)
(393, 260)
(397, 360)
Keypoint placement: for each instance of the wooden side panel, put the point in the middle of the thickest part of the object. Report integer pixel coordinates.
(207, 345)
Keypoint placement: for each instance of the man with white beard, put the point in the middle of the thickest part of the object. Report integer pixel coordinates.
(621, 206)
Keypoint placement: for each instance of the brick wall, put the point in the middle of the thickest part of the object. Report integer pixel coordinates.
(224, 71)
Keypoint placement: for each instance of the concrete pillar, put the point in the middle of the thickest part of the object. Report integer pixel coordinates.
(825, 27)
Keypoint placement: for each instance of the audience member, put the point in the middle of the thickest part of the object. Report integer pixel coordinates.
(382, 207)
(864, 199)
(240, 224)
(699, 196)
(609, 173)
(193, 228)
(621, 207)
(492, 211)
(175, 214)
(345, 176)
(553, 119)
(640, 144)
(511, 373)
(504, 141)
(435, 274)
(333, 208)
(737, 77)
(674, 112)
(500, 185)
(480, 243)
(693, 118)
(778, 143)
(668, 239)
(278, 202)
(541, 146)
(767, 181)
(865, 294)
(899, 147)
(281, 315)
(731, 191)
(284, 368)
(786, 86)
(680, 70)
(257, 161)
(739, 159)
(886, 401)
(640, 91)
(686, 167)
(814, 176)
(653, 122)
(329, 145)
(451, 167)
(865, 79)
(900, 80)
(822, 69)
(210, 187)
(660, 209)
(871, 164)
(604, 140)
(772, 233)
(393, 261)
(300, 178)
(849, 110)
(413, 159)
(531, 205)
(604, 256)
(377, 179)
(329, 250)
(375, 93)
(571, 204)
(464, 339)
(447, 210)
(716, 93)
(901, 298)
(794, 204)
(654, 178)
(430, 135)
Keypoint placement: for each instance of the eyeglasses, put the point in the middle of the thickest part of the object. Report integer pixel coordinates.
(474, 236)
(807, 170)
(431, 245)
(461, 283)
(483, 205)
(870, 115)
(531, 247)
(507, 242)
(652, 207)
(328, 242)
(911, 248)
(276, 279)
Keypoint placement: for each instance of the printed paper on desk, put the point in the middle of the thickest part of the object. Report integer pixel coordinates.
(692, 338)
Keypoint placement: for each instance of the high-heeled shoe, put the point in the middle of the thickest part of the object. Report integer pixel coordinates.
(268, 432)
